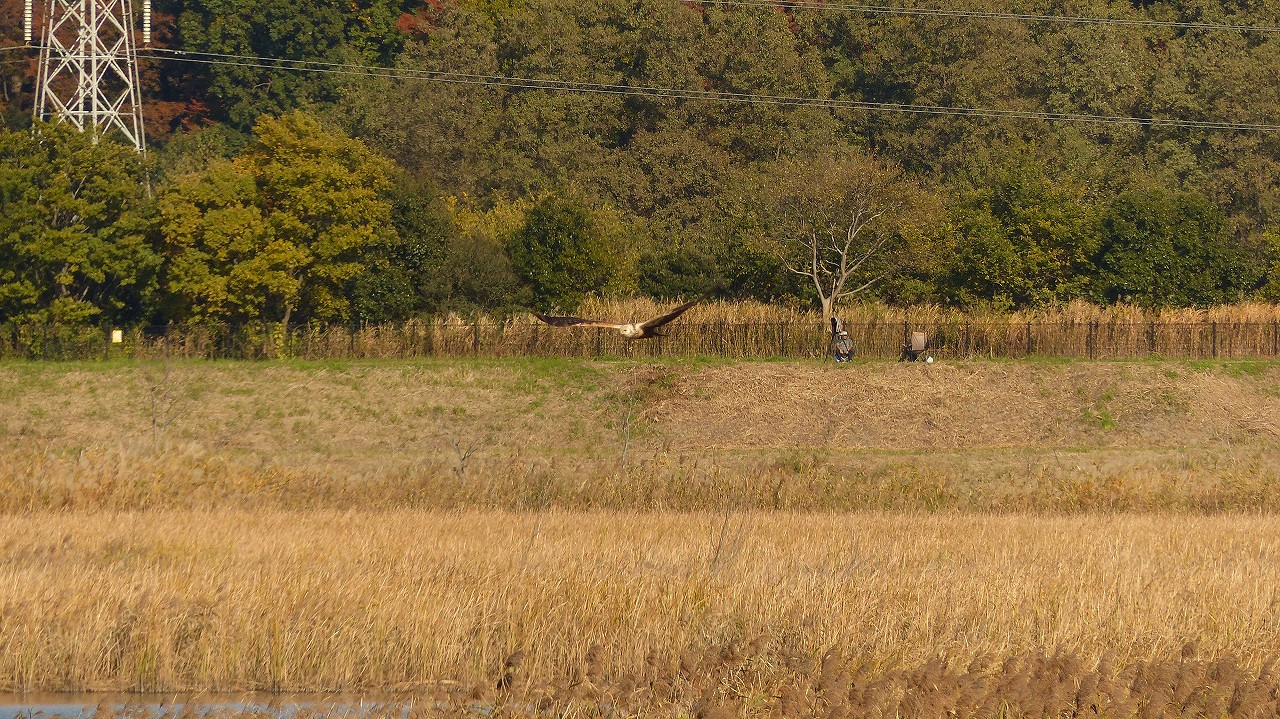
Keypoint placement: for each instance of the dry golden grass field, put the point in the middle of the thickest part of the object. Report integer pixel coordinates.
(696, 538)
(652, 612)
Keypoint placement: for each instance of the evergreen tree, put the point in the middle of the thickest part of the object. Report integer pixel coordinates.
(74, 220)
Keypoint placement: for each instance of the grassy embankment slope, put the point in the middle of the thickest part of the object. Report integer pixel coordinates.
(678, 435)
(280, 526)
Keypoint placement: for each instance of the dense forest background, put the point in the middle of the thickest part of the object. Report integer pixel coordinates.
(271, 193)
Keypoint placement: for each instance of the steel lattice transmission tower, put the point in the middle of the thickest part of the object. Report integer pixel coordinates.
(89, 67)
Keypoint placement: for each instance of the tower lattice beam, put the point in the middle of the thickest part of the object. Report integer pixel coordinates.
(89, 68)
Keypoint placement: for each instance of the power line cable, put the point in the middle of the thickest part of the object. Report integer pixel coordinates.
(991, 15)
(17, 47)
(528, 83)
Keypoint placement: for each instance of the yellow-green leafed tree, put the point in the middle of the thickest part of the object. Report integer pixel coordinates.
(74, 245)
(276, 233)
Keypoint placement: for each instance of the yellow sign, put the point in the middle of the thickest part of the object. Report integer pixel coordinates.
(117, 336)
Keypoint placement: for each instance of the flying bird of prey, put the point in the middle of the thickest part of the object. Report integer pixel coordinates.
(630, 330)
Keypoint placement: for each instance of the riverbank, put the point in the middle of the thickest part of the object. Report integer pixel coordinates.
(662, 436)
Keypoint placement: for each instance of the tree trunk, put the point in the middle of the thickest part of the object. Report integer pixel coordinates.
(828, 310)
(284, 324)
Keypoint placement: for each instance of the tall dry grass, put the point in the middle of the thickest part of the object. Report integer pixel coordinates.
(418, 600)
(141, 476)
(470, 533)
(1078, 312)
(755, 680)
(720, 329)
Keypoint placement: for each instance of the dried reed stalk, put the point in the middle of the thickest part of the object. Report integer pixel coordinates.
(723, 329)
(404, 599)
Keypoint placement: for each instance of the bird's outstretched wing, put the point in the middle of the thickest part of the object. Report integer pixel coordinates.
(573, 321)
(662, 320)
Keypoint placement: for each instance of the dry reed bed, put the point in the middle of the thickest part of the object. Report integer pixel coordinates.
(726, 329)
(757, 679)
(782, 685)
(1077, 312)
(187, 476)
(407, 600)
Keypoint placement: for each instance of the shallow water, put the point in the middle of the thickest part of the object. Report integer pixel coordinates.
(81, 705)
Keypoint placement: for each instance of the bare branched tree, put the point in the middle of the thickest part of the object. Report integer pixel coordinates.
(836, 258)
(838, 228)
(462, 450)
